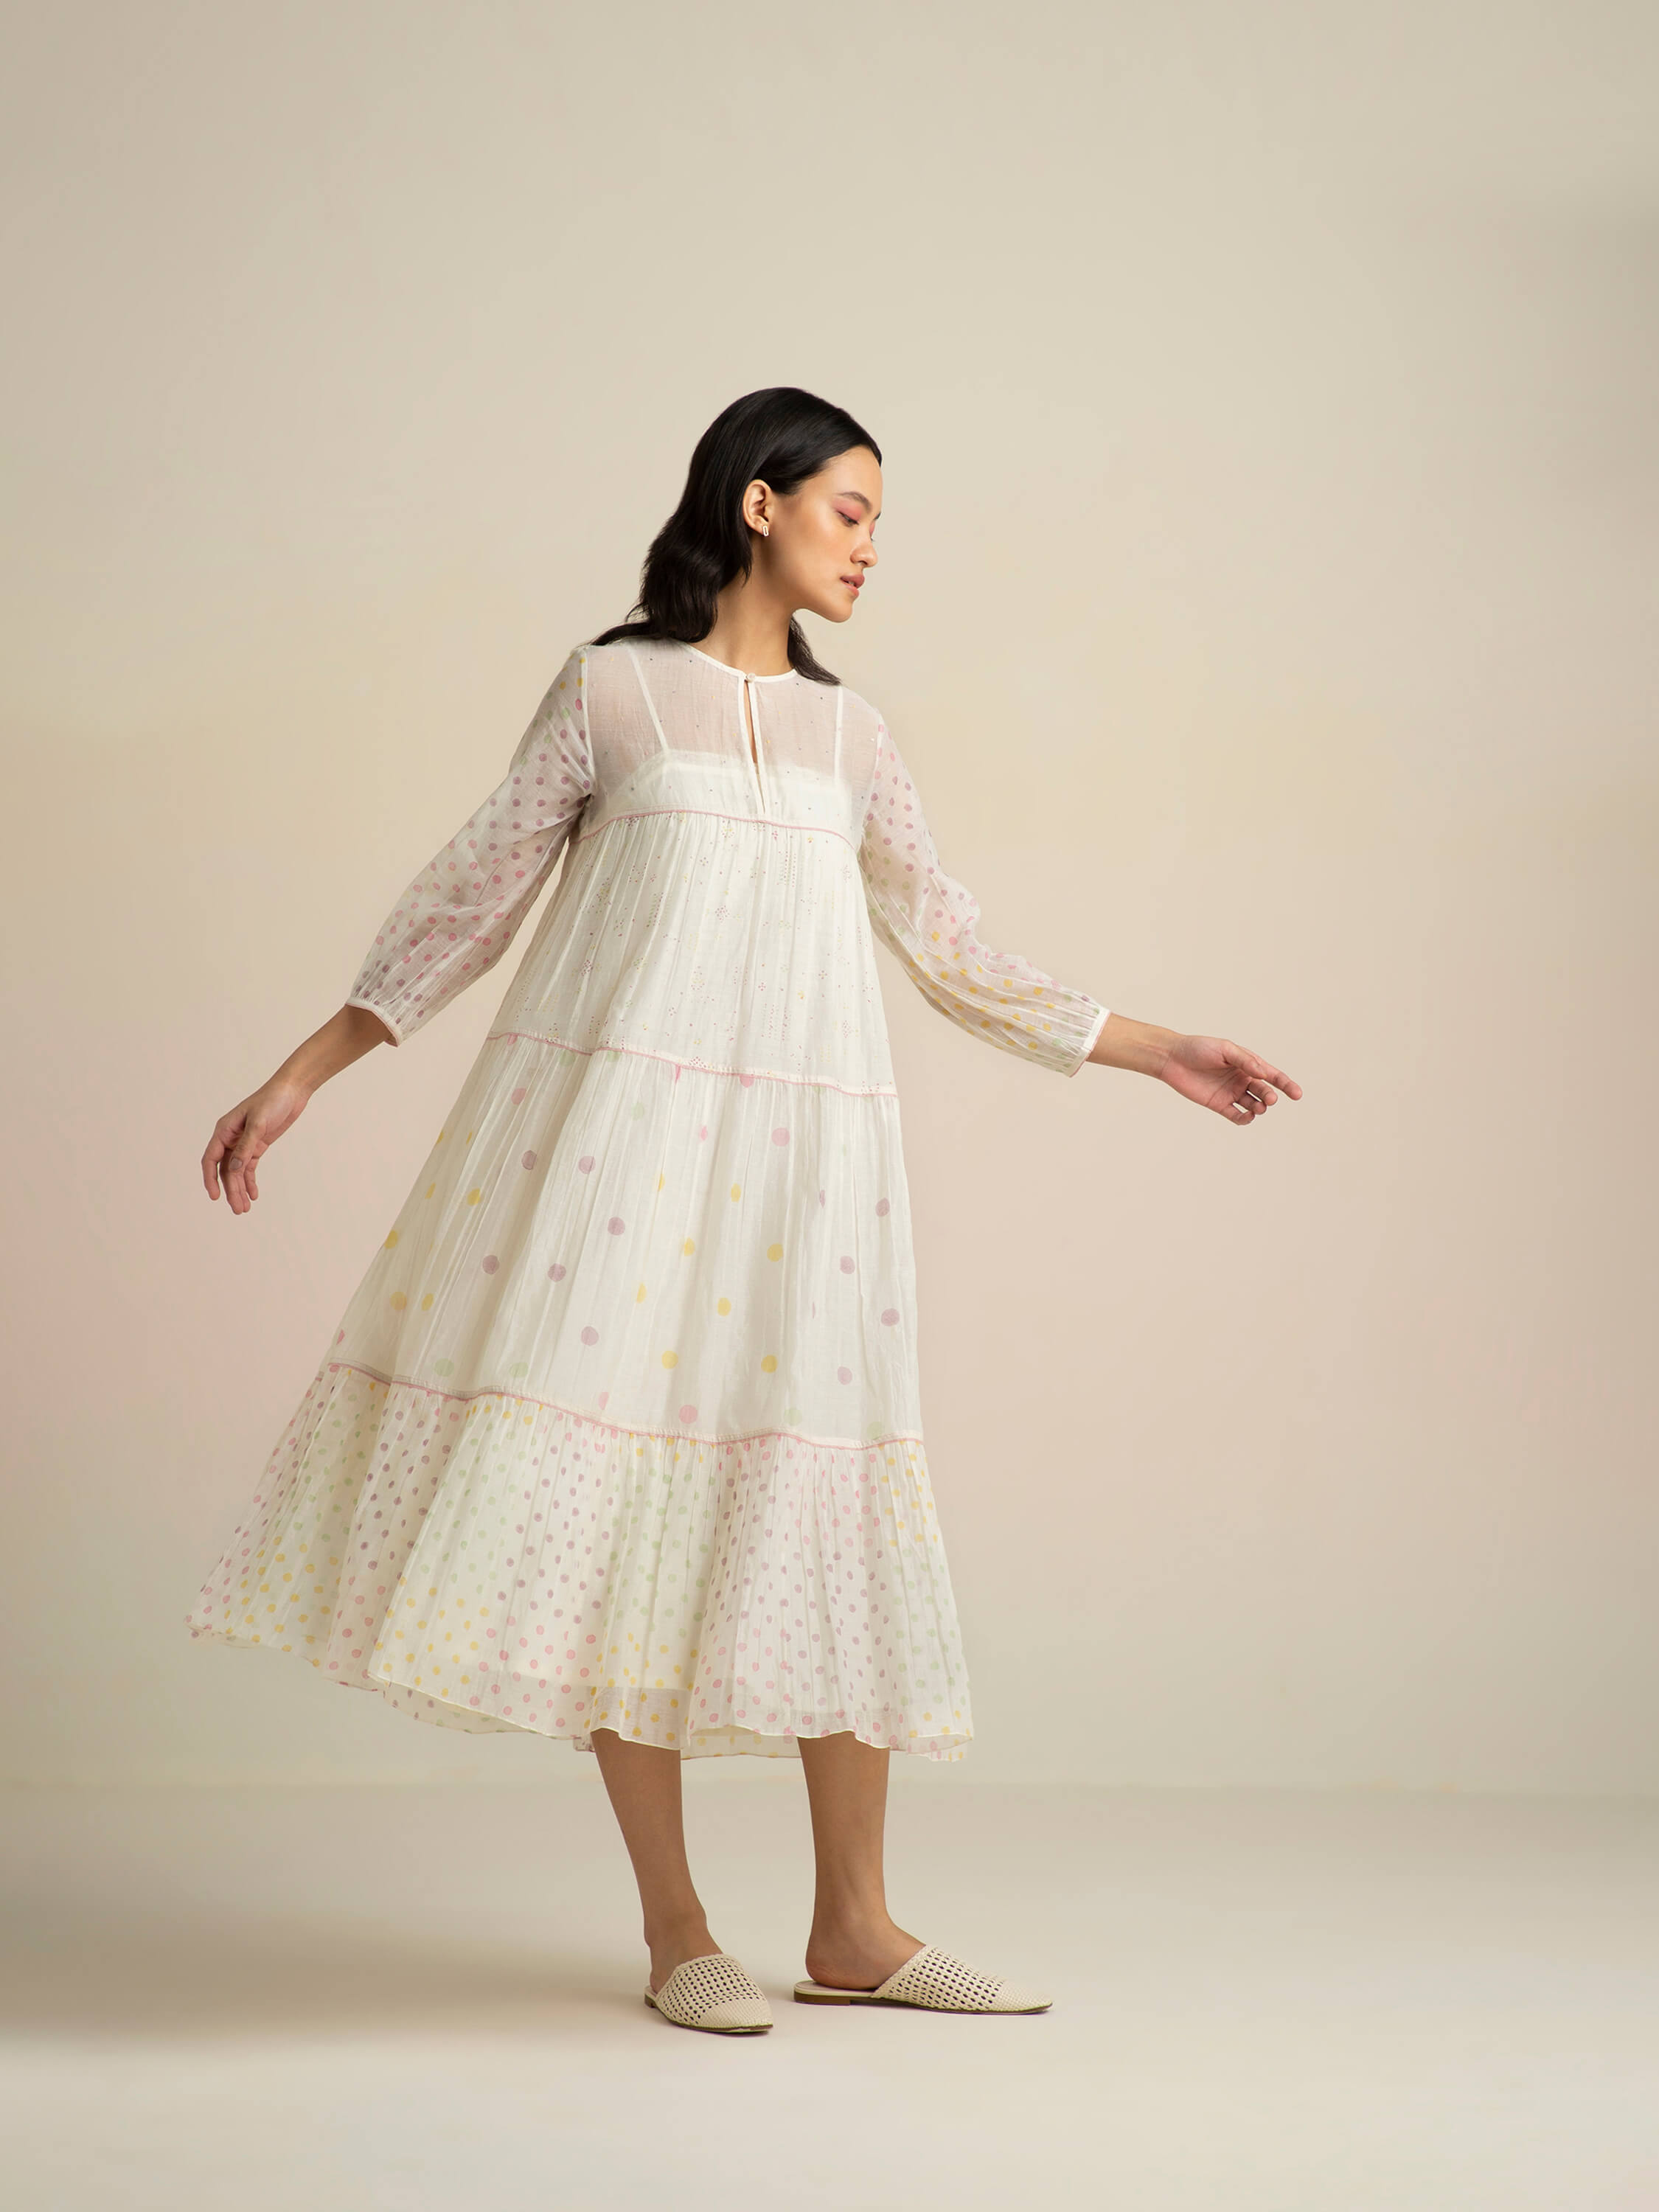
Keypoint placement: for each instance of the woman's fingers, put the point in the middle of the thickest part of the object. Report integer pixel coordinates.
(1254, 1065)
(246, 1186)
(235, 1150)
(1253, 1101)
(225, 1134)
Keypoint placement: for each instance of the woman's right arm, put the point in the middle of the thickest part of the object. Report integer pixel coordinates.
(450, 927)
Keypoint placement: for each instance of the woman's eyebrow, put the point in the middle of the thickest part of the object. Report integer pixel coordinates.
(858, 495)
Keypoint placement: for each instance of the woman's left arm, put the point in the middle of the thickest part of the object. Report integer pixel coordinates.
(931, 922)
(1213, 1071)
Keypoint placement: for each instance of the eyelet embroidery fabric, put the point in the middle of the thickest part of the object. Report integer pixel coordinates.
(621, 1426)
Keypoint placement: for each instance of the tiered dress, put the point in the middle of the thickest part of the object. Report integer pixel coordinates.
(621, 1426)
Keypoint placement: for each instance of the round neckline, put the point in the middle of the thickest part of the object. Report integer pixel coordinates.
(782, 677)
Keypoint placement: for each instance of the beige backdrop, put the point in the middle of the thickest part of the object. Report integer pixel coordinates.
(1267, 395)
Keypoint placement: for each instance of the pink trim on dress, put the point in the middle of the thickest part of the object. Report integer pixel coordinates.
(703, 1067)
(624, 1428)
(757, 821)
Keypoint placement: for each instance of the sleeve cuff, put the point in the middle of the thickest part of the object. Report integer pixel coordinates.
(380, 1015)
(1090, 1042)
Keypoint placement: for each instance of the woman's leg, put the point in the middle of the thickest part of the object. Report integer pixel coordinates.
(854, 1942)
(643, 1780)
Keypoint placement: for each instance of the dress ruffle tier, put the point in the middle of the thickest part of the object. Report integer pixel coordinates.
(492, 1562)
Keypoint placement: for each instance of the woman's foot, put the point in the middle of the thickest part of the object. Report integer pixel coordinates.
(715, 1992)
(937, 1981)
(858, 1955)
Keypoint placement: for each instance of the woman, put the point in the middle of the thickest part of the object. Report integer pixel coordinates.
(619, 1438)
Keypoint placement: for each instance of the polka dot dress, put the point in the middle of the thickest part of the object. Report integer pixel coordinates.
(620, 1428)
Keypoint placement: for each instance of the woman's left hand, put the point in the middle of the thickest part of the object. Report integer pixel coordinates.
(1237, 1083)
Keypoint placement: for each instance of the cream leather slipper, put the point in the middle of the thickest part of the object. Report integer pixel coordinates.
(716, 1992)
(937, 1980)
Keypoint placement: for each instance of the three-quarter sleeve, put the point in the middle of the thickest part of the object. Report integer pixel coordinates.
(461, 912)
(930, 922)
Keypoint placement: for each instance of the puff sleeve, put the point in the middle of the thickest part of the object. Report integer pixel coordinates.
(456, 919)
(930, 922)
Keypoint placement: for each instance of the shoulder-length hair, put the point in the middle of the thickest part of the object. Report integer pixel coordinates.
(782, 435)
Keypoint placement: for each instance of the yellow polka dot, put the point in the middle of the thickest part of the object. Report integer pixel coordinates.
(430, 1187)
(722, 1305)
(474, 1196)
(737, 1190)
(399, 1301)
(639, 1296)
(390, 1236)
(671, 1359)
(688, 1247)
(660, 1181)
(425, 1302)
(769, 1365)
(774, 1251)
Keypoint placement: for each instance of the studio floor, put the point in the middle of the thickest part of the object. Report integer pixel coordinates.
(398, 1999)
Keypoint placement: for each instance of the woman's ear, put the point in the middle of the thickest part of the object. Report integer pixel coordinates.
(757, 502)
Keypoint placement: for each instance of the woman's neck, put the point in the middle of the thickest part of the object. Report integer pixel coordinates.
(750, 631)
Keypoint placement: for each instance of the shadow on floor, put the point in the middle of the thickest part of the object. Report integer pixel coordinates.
(69, 1969)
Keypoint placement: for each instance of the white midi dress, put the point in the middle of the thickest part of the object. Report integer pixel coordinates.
(621, 1426)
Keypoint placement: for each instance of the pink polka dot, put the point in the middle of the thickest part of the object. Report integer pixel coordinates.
(703, 1131)
(604, 1400)
(519, 1096)
(555, 1273)
(890, 1315)
(616, 1225)
(340, 1338)
(820, 1198)
(747, 1081)
(585, 1163)
(843, 1375)
(881, 1206)
(528, 1161)
(490, 1263)
(688, 1413)
(590, 1335)
(847, 1263)
(780, 1136)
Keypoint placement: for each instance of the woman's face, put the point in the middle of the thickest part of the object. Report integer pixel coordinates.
(819, 546)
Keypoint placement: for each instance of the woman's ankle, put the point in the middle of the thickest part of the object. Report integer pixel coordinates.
(673, 1939)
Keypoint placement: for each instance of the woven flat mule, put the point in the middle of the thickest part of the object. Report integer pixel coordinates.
(717, 1992)
(938, 1981)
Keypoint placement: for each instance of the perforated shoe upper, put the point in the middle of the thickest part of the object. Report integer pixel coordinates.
(946, 1983)
(717, 1992)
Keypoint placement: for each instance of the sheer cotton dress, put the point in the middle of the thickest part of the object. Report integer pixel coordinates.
(621, 1426)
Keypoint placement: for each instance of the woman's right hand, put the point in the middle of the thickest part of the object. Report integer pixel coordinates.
(241, 1137)
(249, 1129)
